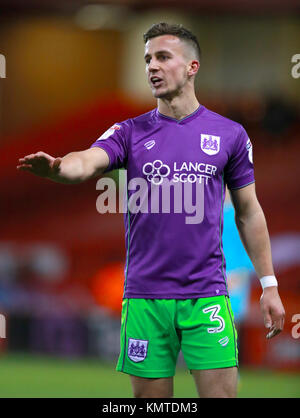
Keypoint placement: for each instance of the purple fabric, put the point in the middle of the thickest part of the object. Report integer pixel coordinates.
(166, 256)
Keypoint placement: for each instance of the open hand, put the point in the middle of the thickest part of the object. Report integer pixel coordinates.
(40, 164)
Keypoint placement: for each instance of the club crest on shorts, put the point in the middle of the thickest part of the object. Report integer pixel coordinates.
(210, 144)
(137, 349)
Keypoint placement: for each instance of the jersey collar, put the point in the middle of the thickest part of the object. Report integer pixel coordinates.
(188, 118)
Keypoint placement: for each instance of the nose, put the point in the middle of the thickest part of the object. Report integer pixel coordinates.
(153, 65)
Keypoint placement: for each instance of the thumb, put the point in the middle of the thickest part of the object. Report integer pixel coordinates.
(56, 164)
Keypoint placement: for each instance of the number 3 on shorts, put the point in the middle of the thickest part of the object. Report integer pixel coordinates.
(215, 317)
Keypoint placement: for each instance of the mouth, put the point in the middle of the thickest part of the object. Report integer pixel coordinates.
(156, 81)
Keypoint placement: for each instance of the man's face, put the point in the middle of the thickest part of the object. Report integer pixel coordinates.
(166, 65)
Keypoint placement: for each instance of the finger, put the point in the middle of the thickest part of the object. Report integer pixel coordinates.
(271, 332)
(278, 320)
(25, 167)
(28, 159)
(34, 159)
(267, 320)
(275, 331)
(35, 156)
(43, 155)
(279, 323)
(56, 164)
(29, 156)
(282, 322)
(276, 327)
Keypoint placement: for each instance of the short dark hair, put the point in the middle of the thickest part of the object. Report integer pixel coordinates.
(162, 28)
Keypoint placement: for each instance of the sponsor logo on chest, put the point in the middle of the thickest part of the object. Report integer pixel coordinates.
(191, 172)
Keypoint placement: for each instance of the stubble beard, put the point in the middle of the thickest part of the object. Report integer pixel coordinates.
(169, 95)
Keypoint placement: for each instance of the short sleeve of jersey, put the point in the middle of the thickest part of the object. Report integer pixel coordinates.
(115, 142)
(239, 171)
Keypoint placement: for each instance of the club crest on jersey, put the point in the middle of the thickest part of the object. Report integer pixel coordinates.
(210, 144)
(137, 349)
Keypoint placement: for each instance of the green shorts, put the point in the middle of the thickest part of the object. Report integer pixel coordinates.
(154, 330)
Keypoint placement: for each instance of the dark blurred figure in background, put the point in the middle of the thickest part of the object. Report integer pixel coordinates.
(279, 118)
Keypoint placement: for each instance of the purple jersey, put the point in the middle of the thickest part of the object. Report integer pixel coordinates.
(170, 254)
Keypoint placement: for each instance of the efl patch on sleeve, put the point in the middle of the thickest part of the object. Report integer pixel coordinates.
(109, 132)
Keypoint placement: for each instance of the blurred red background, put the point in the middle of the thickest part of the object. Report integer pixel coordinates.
(64, 87)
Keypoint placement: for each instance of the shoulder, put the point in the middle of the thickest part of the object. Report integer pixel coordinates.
(122, 131)
(144, 117)
(135, 121)
(224, 122)
(138, 124)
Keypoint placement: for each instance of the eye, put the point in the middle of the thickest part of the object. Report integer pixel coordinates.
(163, 57)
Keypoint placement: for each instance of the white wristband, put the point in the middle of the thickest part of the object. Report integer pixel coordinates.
(268, 281)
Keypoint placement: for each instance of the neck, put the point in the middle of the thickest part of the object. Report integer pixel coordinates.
(178, 107)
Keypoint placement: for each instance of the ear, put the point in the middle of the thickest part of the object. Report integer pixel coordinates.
(193, 67)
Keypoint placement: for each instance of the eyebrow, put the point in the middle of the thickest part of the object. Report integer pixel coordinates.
(157, 53)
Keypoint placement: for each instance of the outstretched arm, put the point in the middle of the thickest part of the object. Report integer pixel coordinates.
(74, 167)
(251, 223)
